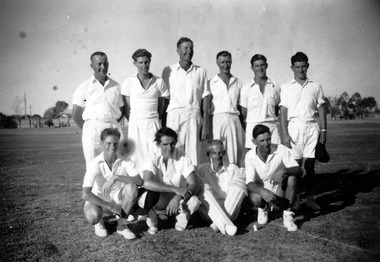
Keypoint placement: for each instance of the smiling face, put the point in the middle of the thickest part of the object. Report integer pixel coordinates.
(167, 146)
(224, 64)
(186, 52)
(142, 64)
(99, 63)
(260, 68)
(110, 145)
(216, 153)
(263, 142)
(300, 70)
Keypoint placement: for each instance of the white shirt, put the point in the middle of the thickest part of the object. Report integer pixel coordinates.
(260, 106)
(218, 181)
(99, 172)
(99, 102)
(187, 88)
(302, 102)
(144, 102)
(179, 167)
(225, 99)
(280, 157)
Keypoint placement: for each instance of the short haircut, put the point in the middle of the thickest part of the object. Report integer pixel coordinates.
(109, 132)
(299, 57)
(165, 131)
(224, 54)
(259, 129)
(257, 57)
(183, 40)
(141, 53)
(215, 142)
(97, 53)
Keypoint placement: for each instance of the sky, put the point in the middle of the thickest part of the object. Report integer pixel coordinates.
(45, 45)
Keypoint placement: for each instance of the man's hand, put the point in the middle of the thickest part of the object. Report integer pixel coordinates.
(172, 207)
(181, 191)
(287, 141)
(323, 137)
(107, 185)
(278, 177)
(204, 133)
(267, 195)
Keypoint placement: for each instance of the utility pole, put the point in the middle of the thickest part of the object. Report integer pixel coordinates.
(30, 115)
(25, 103)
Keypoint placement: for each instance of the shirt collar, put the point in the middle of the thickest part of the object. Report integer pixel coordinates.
(178, 67)
(217, 78)
(222, 170)
(268, 82)
(94, 80)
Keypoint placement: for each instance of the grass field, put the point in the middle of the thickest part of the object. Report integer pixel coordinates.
(41, 216)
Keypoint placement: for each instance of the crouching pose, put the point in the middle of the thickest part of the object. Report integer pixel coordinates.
(111, 187)
(222, 190)
(171, 173)
(271, 175)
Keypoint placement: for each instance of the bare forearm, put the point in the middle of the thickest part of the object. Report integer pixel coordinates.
(90, 197)
(322, 117)
(206, 111)
(255, 187)
(133, 180)
(158, 187)
(284, 120)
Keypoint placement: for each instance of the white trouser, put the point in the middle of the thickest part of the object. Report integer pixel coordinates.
(141, 133)
(273, 128)
(187, 124)
(91, 137)
(227, 127)
(305, 136)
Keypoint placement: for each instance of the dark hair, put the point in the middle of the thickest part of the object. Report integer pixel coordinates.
(109, 132)
(97, 53)
(215, 142)
(141, 53)
(257, 57)
(183, 40)
(223, 53)
(165, 131)
(299, 57)
(259, 129)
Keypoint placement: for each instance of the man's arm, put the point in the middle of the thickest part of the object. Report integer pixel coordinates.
(323, 123)
(285, 138)
(87, 195)
(124, 179)
(206, 118)
(127, 106)
(122, 109)
(151, 184)
(77, 116)
(258, 188)
(163, 103)
(243, 116)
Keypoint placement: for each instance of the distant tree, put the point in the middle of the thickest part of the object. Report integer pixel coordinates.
(7, 121)
(333, 106)
(54, 111)
(368, 105)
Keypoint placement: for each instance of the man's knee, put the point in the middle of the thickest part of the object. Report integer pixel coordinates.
(130, 191)
(256, 199)
(92, 213)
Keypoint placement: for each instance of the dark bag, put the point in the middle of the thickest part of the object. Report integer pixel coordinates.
(321, 153)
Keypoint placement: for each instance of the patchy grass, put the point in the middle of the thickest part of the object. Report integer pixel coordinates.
(41, 210)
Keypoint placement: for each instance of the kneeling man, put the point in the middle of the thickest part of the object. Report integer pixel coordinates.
(271, 175)
(170, 172)
(111, 187)
(222, 190)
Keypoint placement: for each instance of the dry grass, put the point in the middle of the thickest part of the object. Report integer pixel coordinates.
(42, 220)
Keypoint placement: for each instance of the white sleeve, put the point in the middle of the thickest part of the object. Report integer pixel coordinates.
(90, 176)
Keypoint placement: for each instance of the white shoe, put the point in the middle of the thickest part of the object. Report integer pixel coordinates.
(100, 229)
(125, 232)
(182, 220)
(152, 230)
(289, 221)
(262, 216)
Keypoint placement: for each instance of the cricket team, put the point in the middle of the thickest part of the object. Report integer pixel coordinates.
(261, 142)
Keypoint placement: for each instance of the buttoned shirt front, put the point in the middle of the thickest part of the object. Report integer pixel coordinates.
(225, 99)
(99, 172)
(175, 172)
(187, 88)
(99, 102)
(260, 106)
(280, 157)
(219, 181)
(302, 101)
(144, 102)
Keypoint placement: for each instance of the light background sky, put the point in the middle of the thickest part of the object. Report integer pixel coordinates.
(47, 43)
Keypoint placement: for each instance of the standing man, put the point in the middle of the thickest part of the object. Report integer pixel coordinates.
(97, 104)
(225, 94)
(259, 101)
(222, 190)
(302, 105)
(271, 175)
(145, 96)
(171, 173)
(189, 98)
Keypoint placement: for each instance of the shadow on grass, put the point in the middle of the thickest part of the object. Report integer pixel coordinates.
(335, 191)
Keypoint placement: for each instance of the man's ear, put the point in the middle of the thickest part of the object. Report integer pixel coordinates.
(254, 141)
